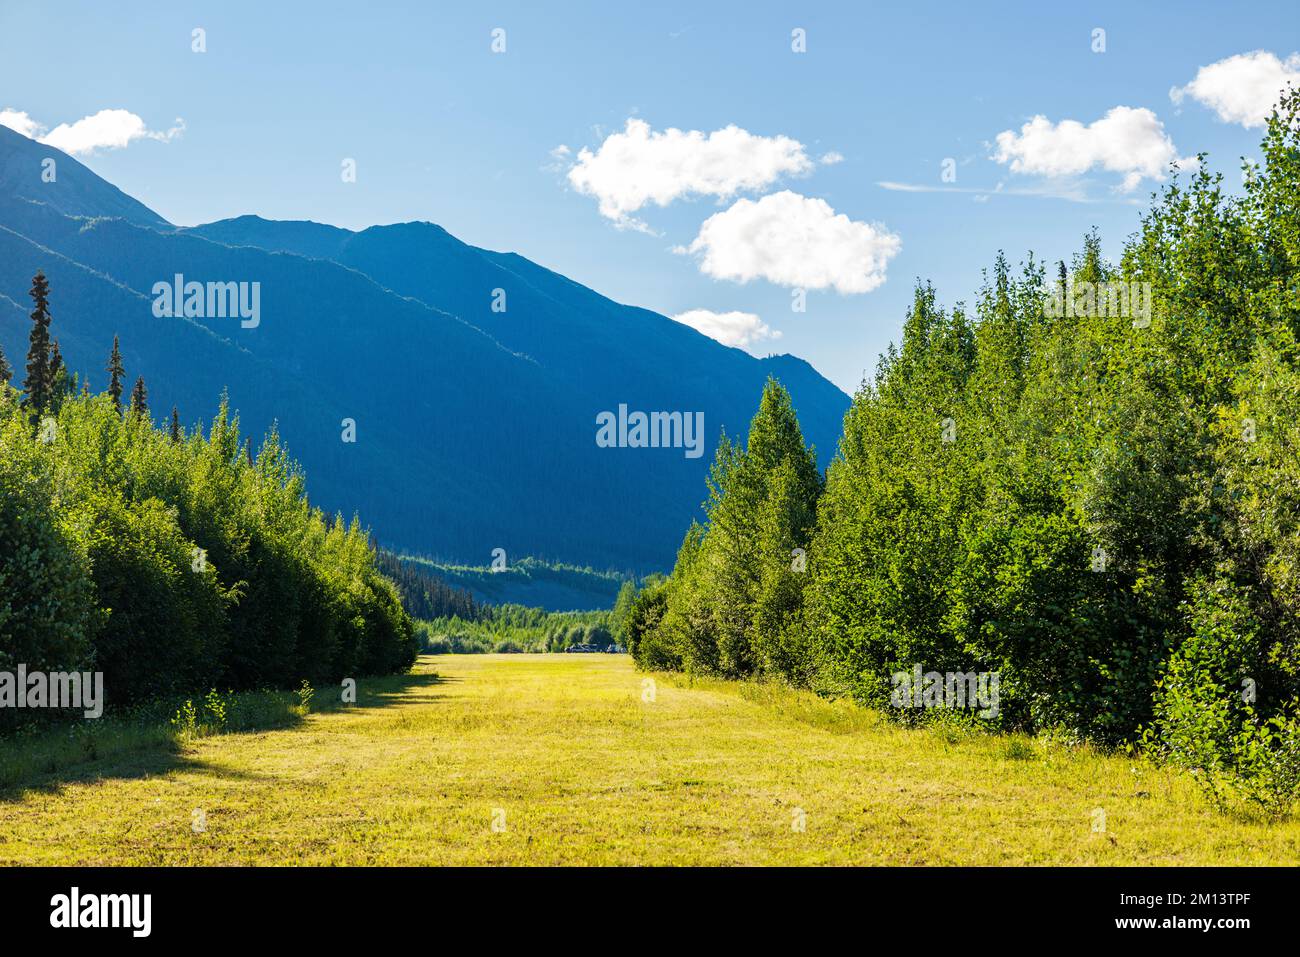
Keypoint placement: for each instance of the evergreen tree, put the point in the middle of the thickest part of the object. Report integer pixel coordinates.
(6, 373)
(61, 381)
(116, 374)
(38, 384)
(57, 367)
(785, 525)
(176, 425)
(728, 564)
(139, 397)
(736, 588)
(782, 526)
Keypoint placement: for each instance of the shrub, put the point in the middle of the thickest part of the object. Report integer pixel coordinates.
(174, 566)
(48, 617)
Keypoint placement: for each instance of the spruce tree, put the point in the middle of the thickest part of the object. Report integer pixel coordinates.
(176, 425)
(139, 396)
(57, 366)
(6, 373)
(115, 376)
(785, 525)
(38, 384)
(738, 585)
(782, 520)
(59, 378)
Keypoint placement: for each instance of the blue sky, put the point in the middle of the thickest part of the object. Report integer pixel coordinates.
(444, 129)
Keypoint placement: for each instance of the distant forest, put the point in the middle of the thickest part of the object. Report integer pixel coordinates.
(451, 621)
(529, 581)
(425, 595)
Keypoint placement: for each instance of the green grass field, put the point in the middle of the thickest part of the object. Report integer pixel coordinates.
(535, 759)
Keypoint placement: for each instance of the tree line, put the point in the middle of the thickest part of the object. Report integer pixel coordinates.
(1100, 504)
(171, 560)
(516, 628)
(425, 595)
(450, 620)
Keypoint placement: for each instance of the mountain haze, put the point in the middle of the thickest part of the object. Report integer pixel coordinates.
(475, 429)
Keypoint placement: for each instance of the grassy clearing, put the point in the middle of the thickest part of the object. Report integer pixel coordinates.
(36, 756)
(586, 772)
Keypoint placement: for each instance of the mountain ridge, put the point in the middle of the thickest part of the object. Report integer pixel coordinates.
(475, 428)
(78, 190)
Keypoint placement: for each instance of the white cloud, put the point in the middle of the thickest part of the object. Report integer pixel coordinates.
(559, 157)
(1126, 140)
(796, 241)
(730, 328)
(1071, 189)
(831, 158)
(107, 129)
(1243, 88)
(20, 122)
(640, 166)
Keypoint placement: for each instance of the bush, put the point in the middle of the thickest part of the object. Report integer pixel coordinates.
(175, 566)
(48, 617)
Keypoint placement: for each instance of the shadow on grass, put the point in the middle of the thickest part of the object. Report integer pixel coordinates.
(146, 743)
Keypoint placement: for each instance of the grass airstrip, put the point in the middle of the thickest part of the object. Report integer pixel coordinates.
(580, 759)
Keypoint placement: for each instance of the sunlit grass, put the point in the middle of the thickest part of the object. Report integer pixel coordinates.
(583, 770)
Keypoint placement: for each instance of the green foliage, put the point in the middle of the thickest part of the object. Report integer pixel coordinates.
(212, 718)
(524, 581)
(1100, 503)
(39, 384)
(216, 707)
(733, 603)
(139, 398)
(186, 721)
(646, 642)
(516, 628)
(176, 565)
(47, 603)
(623, 609)
(115, 376)
(424, 594)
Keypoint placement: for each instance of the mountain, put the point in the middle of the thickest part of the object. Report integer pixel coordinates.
(66, 186)
(475, 429)
(530, 583)
(561, 324)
